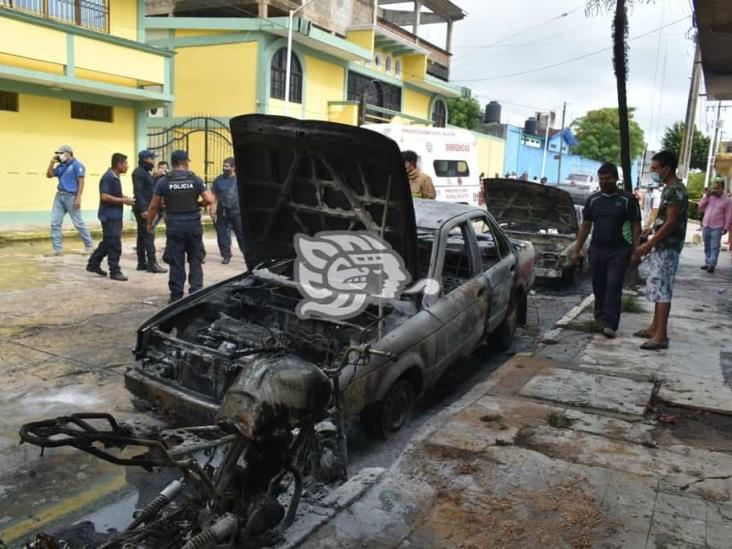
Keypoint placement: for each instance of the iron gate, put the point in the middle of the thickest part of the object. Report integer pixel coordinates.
(207, 141)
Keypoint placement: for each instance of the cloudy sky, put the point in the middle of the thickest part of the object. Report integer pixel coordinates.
(502, 46)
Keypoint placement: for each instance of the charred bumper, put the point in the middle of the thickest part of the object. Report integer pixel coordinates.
(190, 408)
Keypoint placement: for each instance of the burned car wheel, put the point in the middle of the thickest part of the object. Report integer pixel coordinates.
(391, 414)
(502, 338)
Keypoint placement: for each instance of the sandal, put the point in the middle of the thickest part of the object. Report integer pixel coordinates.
(642, 333)
(654, 345)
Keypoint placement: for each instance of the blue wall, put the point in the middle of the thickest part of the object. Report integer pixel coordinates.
(522, 157)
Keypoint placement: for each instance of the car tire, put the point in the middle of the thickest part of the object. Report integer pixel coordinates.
(503, 336)
(391, 414)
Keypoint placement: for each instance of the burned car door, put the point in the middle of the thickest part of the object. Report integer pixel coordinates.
(497, 265)
(463, 303)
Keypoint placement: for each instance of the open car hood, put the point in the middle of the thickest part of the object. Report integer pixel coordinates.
(299, 176)
(530, 206)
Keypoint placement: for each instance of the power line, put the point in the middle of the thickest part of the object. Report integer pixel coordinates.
(572, 60)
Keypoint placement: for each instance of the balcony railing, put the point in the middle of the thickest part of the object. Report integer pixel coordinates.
(90, 14)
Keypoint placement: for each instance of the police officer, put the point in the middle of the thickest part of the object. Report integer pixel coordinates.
(111, 201)
(225, 213)
(180, 189)
(143, 182)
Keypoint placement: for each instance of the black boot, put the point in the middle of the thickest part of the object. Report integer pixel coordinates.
(155, 268)
(141, 267)
(118, 276)
(96, 269)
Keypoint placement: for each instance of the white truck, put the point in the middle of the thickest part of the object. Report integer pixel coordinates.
(448, 155)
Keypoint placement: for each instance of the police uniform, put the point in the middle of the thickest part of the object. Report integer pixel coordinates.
(228, 214)
(183, 235)
(143, 184)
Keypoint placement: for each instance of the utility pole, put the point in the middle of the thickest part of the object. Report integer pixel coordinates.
(288, 69)
(549, 123)
(561, 142)
(688, 141)
(713, 146)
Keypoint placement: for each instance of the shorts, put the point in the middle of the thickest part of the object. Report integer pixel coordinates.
(662, 266)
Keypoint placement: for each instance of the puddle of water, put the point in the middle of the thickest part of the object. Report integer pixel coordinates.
(44, 404)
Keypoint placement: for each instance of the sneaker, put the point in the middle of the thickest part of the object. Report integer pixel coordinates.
(96, 269)
(704, 267)
(118, 276)
(226, 260)
(87, 250)
(608, 332)
(55, 253)
(710, 270)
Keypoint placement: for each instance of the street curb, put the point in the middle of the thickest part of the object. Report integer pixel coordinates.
(552, 337)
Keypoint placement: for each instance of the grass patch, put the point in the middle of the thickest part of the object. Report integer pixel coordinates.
(630, 305)
(559, 420)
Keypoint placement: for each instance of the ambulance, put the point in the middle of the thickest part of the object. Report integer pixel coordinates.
(448, 155)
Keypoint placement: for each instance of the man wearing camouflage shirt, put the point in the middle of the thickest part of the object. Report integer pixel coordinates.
(665, 242)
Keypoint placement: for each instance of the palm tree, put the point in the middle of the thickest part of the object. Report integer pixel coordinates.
(620, 64)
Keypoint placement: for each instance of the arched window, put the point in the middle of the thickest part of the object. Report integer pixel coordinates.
(279, 73)
(398, 68)
(387, 64)
(377, 61)
(439, 114)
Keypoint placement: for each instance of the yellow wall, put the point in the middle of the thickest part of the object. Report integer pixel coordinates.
(363, 38)
(216, 80)
(491, 152)
(30, 136)
(31, 64)
(123, 18)
(32, 41)
(324, 83)
(415, 103)
(104, 57)
(343, 113)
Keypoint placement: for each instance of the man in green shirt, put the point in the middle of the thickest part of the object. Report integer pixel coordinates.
(665, 242)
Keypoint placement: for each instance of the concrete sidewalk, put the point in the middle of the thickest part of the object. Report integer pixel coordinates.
(585, 443)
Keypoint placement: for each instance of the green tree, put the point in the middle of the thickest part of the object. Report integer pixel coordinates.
(620, 66)
(464, 113)
(699, 148)
(598, 135)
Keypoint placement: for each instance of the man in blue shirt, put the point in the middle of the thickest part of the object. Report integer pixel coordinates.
(70, 173)
(180, 189)
(111, 201)
(226, 214)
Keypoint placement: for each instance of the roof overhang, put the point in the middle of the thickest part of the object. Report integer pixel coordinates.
(307, 34)
(391, 42)
(714, 23)
(444, 8)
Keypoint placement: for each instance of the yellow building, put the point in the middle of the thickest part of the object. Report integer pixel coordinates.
(76, 72)
(232, 60)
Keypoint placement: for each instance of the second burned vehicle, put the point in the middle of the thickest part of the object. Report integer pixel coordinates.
(306, 178)
(546, 216)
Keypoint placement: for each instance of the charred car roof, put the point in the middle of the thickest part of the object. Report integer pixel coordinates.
(521, 202)
(299, 176)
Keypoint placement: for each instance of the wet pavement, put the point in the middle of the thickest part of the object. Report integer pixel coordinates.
(65, 342)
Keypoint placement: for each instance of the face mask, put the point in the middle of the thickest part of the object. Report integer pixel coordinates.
(656, 177)
(227, 173)
(63, 157)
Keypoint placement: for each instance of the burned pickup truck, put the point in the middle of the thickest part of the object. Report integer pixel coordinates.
(544, 215)
(269, 381)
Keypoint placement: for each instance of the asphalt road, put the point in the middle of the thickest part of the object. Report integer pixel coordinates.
(65, 342)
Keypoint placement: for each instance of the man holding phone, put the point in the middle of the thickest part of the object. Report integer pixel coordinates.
(717, 210)
(70, 173)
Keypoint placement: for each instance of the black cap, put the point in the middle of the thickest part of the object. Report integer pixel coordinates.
(179, 156)
(146, 154)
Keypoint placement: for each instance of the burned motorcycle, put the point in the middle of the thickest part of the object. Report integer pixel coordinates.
(241, 480)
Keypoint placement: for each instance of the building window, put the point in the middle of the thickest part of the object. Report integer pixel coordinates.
(91, 111)
(91, 14)
(377, 61)
(279, 75)
(387, 64)
(398, 68)
(378, 94)
(8, 101)
(439, 114)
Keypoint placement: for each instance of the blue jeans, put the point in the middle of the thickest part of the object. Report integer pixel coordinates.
(712, 244)
(226, 221)
(63, 204)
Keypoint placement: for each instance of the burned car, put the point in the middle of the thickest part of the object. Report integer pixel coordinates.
(544, 215)
(309, 177)
(266, 386)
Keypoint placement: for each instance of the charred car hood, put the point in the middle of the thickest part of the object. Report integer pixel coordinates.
(299, 176)
(530, 204)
